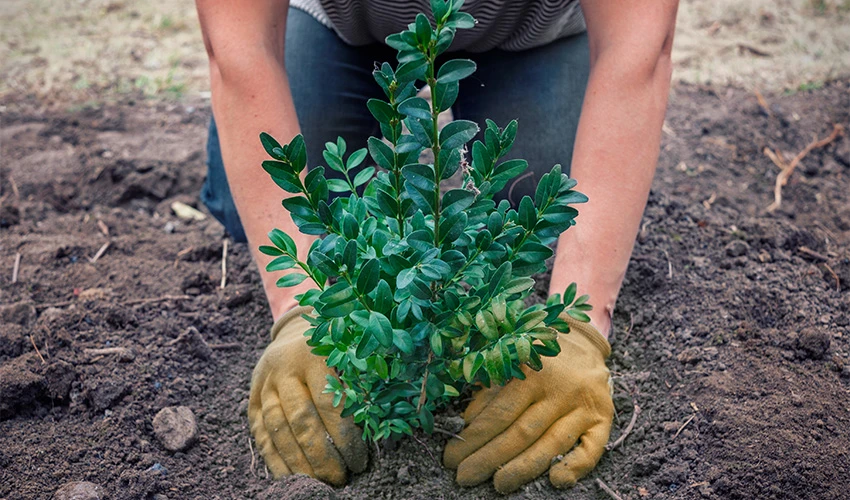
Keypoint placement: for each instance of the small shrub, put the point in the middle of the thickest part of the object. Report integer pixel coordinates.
(420, 290)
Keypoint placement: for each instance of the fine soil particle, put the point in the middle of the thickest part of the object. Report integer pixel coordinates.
(732, 332)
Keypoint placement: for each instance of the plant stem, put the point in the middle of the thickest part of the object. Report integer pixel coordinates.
(424, 381)
(435, 147)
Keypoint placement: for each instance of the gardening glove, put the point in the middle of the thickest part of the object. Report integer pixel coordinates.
(296, 426)
(516, 432)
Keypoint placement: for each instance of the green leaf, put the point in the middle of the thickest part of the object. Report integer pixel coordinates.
(531, 251)
(445, 95)
(272, 147)
(570, 293)
(281, 263)
(527, 213)
(471, 364)
(494, 364)
(381, 153)
(416, 107)
(369, 275)
(519, 285)
(381, 368)
(363, 176)
(506, 358)
(423, 29)
(529, 320)
(403, 341)
(367, 345)
(523, 349)
(410, 71)
(291, 279)
(510, 169)
(461, 20)
(283, 241)
(578, 315)
(421, 176)
(323, 263)
(381, 328)
(486, 324)
(356, 158)
(456, 201)
(439, 8)
(436, 341)
(395, 41)
(383, 297)
(338, 186)
(350, 226)
(457, 133)
(454, 70)
(405, 278)
(270, 250)
(381, 110)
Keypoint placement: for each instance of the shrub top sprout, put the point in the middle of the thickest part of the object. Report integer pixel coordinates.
(420, 290)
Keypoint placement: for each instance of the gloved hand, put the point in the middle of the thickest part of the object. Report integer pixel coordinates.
(516, 432)
(296, 426)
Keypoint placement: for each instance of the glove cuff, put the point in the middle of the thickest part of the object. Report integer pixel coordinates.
(589, 332)
(293, 314)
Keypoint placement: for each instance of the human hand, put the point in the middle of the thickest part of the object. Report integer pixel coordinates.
(295, 424)
(516, 432)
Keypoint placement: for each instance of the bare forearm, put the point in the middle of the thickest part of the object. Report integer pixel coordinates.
(244, 107)
(616, 150)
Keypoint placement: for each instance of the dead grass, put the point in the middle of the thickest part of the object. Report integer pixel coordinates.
(76, 51)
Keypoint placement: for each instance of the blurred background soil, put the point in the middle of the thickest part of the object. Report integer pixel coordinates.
(732, 333)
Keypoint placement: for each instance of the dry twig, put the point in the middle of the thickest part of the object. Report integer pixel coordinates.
(604, 487)
(684, 425)
(37, 351)
(787, 170)
(16, 268)
(100, 252)
(669, 265)
(625, 434)
(811, 253)
(103, 228)
(832, 272)
(223, 264)
(14, 187)
(743, 47)
(107, 350)
(253, 457)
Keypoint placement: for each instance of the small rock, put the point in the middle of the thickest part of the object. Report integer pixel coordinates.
(454, 424)
(158, 467)
(403, 475)
(169, 227)
(20, 313)
(190, 342)
(814, 343)
(59, 376)
(104, 393)
(737, 248)
(10, 215)
(79, 490)
(175, 428)
(690, 356)
(236, 295)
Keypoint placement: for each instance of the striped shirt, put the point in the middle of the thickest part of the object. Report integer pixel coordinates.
(505, 24)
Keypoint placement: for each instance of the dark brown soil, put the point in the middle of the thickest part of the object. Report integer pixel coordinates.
(733, 328)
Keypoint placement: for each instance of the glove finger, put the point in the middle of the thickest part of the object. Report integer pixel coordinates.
(346, 436)
(309, 431)
(480, 400)
(521, 434)
(267, 449)
(577, 463)
(535, 460)
(276, 424)
(501, 410)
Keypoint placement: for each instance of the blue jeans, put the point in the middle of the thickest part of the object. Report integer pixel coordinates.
(331, 81)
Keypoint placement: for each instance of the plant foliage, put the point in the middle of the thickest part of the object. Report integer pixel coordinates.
(421, 290)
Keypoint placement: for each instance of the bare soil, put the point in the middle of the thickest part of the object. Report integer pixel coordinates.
(732, 332)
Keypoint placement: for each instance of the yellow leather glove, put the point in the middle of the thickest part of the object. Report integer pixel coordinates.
(295, 425)
(516, 432)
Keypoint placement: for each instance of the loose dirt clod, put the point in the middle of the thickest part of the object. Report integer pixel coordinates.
(79, 490)
(175, 428)
(814, 343)
(299, 487)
